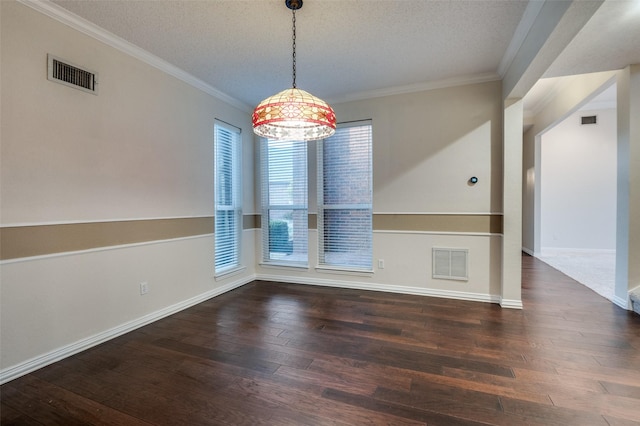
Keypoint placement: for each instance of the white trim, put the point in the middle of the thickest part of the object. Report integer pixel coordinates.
(522, 30)
(624, 304)
(528, 251)
(78, 23)
(556, 250)
(511, 303)
(144, 243)
(81, 222)
(231, 128)
(326, 269)
(635, 291)
(43, 360)
(98, 249)
(283, 265)
(447, 294)
(469, 234)
(228, 273)
(418, 87)
(445, 213)
(51, 357)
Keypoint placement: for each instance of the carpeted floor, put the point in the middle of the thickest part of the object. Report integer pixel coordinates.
(595, 269)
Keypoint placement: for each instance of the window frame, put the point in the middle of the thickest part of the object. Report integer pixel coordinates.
(322, 263)
(302, 193)
(235, 192)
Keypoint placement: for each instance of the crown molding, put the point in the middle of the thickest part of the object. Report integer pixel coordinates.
(78, 23)
(418, 87)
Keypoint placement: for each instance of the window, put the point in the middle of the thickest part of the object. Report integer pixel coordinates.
(228, 208)
(345, 198)
(284, 202)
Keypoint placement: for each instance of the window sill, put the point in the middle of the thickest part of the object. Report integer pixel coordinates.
(229, 272)
(285, 265)
(345, 271)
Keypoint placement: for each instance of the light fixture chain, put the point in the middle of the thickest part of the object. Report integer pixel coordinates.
(293, 114)
(294, 48)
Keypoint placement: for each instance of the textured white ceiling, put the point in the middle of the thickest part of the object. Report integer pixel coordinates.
(350, 49)
(609, 41)
(344, 48)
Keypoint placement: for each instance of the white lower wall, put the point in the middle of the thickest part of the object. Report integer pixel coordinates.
(78, 300)
(141, 149)
(56, 305)
(407, 266)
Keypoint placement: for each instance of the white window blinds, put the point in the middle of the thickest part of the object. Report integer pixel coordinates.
(284, 202)
(228, 209)
(345, 198)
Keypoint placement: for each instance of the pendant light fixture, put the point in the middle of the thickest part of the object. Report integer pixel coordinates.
(294, 114)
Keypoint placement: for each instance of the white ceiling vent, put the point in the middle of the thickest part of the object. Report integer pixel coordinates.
(63, 72)
(589, 119)
(450, 264)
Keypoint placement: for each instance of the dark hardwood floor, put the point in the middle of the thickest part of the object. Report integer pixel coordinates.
(283, 354)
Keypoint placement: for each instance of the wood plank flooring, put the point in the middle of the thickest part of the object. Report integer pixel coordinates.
(282, 354)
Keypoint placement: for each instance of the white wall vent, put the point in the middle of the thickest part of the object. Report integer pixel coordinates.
(450, 263)
(63, 72)
(589, 119)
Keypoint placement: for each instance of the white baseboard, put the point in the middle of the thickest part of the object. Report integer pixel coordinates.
(623, 303)
(40, 361)
(562, 250)
(447, 294)
(511, 303)
(528, 251)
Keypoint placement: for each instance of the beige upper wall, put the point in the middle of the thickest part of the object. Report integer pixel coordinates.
(428, 144)
(135, 151)
(141, 148)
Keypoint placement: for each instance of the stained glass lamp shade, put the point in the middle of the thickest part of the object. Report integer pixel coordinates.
(294, 114)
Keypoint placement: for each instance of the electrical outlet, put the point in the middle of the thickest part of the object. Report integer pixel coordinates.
(380, 263)
(144, 288)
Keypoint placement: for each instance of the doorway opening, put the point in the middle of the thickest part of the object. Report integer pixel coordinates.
(576, 170)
